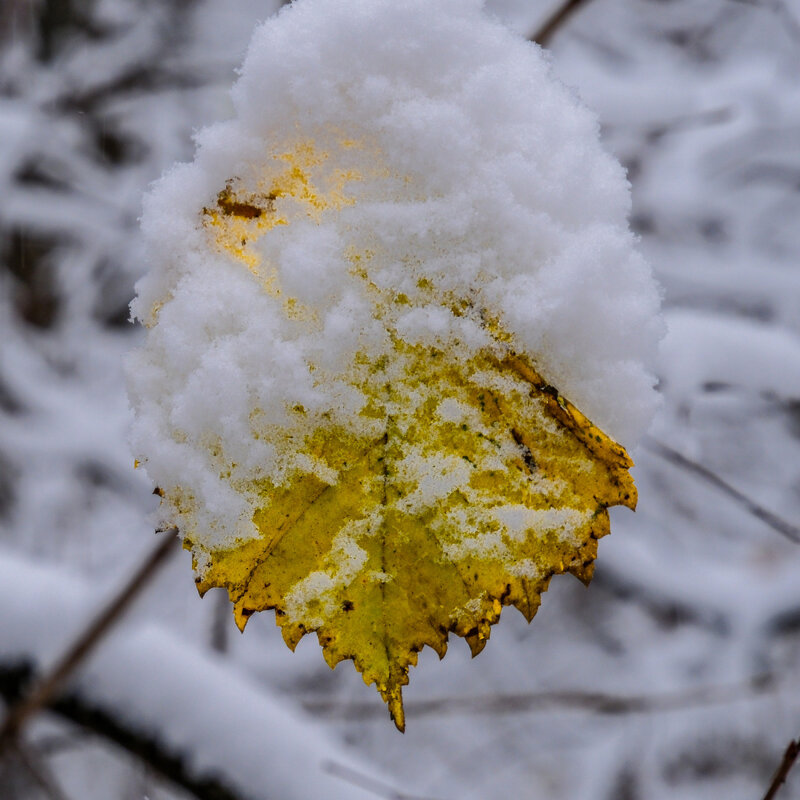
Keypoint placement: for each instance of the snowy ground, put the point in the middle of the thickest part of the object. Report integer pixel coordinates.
(673, 675)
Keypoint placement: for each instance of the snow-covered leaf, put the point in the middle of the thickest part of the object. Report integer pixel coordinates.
(479, 484)
(369, 297)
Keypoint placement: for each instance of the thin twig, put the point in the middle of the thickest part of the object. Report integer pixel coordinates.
(791, 532)
(789, 758)
(556, 21)
(87, 640)
(592, 702)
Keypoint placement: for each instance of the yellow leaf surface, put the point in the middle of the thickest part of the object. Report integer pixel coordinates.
(478, 483)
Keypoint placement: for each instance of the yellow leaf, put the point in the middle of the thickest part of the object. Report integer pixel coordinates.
(481, 485)
(476, 483)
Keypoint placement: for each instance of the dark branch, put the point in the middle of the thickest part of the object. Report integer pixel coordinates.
(791, 532)
(139, 79)
(556, 21)
(169, 765)
(50, 685)
(789, 759)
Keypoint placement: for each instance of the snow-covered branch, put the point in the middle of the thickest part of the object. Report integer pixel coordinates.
(192, 716)
(78, 709)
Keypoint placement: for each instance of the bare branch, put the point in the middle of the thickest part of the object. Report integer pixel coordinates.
(556, 21)
(87, 640)
(592, 702)
(791, 532)
(789, 759)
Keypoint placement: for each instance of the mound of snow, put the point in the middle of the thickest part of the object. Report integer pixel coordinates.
(394, 171)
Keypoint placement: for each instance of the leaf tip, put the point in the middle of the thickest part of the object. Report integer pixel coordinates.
(395, 702)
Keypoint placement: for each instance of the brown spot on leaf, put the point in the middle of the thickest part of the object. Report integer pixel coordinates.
(232, 206)
(527, 456)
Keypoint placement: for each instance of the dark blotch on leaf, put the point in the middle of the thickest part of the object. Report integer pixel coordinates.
(231, 207)
(527, 456)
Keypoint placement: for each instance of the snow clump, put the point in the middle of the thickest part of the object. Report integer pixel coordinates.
(394, 172)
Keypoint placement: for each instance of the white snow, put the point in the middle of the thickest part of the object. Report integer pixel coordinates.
(439, 161)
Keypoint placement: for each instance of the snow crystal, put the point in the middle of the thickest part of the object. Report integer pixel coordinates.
(402, 156)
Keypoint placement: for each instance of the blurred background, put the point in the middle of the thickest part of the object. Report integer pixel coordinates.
(675, 675)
